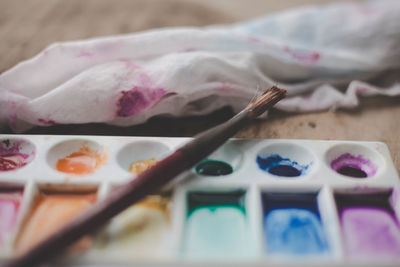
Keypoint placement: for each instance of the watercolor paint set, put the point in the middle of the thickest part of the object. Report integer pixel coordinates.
(252, 202)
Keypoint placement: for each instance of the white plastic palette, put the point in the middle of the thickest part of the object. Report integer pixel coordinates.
(246, 217)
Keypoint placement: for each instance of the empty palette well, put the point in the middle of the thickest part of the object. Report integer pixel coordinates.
(370, 229)
(141, 231)
(292, 224)
(216, 225)
(50, 212)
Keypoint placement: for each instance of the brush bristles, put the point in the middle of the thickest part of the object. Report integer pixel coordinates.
(272, 96)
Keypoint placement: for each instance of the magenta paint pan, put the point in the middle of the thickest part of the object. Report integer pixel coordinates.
(15, 153)
(355, 161)
(10, 202)
(370, 227)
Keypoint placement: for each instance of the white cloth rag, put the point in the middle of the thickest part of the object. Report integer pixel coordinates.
(325, 56)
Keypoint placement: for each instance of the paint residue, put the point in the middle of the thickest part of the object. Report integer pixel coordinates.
(50, 213)
(354, 166)
(303, 55)
(294, 231)
(216, 226)
(82, 162)
(46, 122)
(370, 232)
(137, 100)
(212, 167)
(370, 227)
(140, 166)
(276, 165)
(9, 206)
(141, 231)
(11, 157)
(292, 224)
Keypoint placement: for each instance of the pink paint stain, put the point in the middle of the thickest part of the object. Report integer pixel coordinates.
(10, 156)
(128, 63)
(47, 122)
(367, 11)
(249, 38)
(45, 52)
(9, 205)
(308, 57)
(145, 80)
(225, 86)
(85, 54)
(253, 39)
(137, 100)
(362, 89)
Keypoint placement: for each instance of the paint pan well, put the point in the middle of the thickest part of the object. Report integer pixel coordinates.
(292, 225)
(143, 230)
(140, 232)
(370, 229)
(211, 167)
(77, 157)
(138, 156)
(50, 212)
(354, 161)
(226, 160)
(10, 200)
(285, 160)
(15, 153)
(216, 226)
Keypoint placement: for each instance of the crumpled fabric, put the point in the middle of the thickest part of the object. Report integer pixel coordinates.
(325, 56)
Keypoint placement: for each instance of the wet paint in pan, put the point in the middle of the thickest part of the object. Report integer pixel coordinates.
(276, 165)
(292, 225)
(354, 166)
(84, 161)
(9, 205)
(210, 167)
(50, 212)
(216, 225)
(370, 228)
(141, 231)
(15, 154)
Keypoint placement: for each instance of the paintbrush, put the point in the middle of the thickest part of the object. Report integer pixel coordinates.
(146, 183)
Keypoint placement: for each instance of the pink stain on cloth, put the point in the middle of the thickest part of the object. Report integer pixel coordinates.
(127, 79)
(137, 99)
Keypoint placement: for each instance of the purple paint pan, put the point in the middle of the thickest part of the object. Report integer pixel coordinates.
(355, 160)
(370, 228)
(354, 166)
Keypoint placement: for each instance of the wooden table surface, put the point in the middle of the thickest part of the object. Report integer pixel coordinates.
(27, 27)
